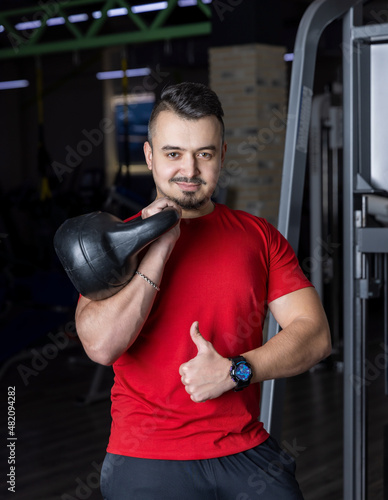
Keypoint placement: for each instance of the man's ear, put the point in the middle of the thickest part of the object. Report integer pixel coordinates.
(148, 154)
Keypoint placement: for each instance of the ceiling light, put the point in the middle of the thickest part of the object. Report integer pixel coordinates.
(112, 75)
(28, 25)
(14, 84)
(78, 18)
(149, 7)
(55, 21)
(121, 11)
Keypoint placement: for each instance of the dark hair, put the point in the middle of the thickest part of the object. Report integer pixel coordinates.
(188, 100)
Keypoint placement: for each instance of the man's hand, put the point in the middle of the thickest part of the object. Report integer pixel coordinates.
(168, 239)
(158, 205)
(207, 375)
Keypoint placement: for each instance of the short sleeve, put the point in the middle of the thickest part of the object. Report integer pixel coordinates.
(285, 274)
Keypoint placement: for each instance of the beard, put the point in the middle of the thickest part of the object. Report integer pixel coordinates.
(188, 200)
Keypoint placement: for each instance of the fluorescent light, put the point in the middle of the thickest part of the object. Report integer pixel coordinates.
(78, 18)
(187, 3)
(55, 21)
(190, 3)
(74, 18)
(149, 7)
(28, 25)
(122, 11)
(119, 100)
(112, 75)
(14, 84)
(289, 57)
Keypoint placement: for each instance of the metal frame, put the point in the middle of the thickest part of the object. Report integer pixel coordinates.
(325, 144)
(316, 18)
(32, 43)
(319, 114)
(359, 241)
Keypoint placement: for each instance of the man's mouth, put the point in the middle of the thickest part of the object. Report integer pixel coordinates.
(187, 184)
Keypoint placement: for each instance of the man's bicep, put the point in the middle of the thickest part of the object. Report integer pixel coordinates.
(300, 303)
(82, 303)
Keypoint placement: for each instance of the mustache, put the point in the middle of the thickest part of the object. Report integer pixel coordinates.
(194, 180)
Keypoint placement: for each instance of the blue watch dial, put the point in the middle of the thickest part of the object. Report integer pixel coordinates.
(243, 371)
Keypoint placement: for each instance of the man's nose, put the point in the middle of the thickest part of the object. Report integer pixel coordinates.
(189, 167)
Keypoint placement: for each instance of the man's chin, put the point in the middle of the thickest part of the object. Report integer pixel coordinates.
(188, 202)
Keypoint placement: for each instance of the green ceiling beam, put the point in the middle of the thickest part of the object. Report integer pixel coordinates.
(204, 8)
(98, 23)
(32, 44)
(163, 14)
(136, 18)
(170, 32)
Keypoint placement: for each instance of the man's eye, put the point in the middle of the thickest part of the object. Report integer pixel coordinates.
(173, 155)
(205, 155)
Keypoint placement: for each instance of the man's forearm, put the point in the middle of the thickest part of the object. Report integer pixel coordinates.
(292, 351)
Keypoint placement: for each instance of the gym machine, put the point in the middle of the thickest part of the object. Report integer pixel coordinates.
(365, 182)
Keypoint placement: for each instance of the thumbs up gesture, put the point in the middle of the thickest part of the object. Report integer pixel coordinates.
(207, 375)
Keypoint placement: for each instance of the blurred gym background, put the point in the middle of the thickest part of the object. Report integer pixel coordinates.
(78, 80)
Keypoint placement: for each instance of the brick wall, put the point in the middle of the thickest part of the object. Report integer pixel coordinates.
(251, 83)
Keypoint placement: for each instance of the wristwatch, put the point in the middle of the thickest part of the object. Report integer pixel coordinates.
(241, 372)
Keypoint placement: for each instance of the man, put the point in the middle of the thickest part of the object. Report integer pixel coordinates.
(185, 404)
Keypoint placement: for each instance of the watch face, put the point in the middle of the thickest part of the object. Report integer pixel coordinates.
(243, 372)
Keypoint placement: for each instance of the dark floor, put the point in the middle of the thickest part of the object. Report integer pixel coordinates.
(61, 443)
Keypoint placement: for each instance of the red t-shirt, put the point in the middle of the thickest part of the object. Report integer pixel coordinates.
(224, 269)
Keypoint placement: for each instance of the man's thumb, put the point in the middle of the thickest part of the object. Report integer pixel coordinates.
(198, 340)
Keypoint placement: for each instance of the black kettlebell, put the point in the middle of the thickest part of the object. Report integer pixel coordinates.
(99, 251)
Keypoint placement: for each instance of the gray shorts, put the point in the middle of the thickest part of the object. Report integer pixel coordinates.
(265, 472)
